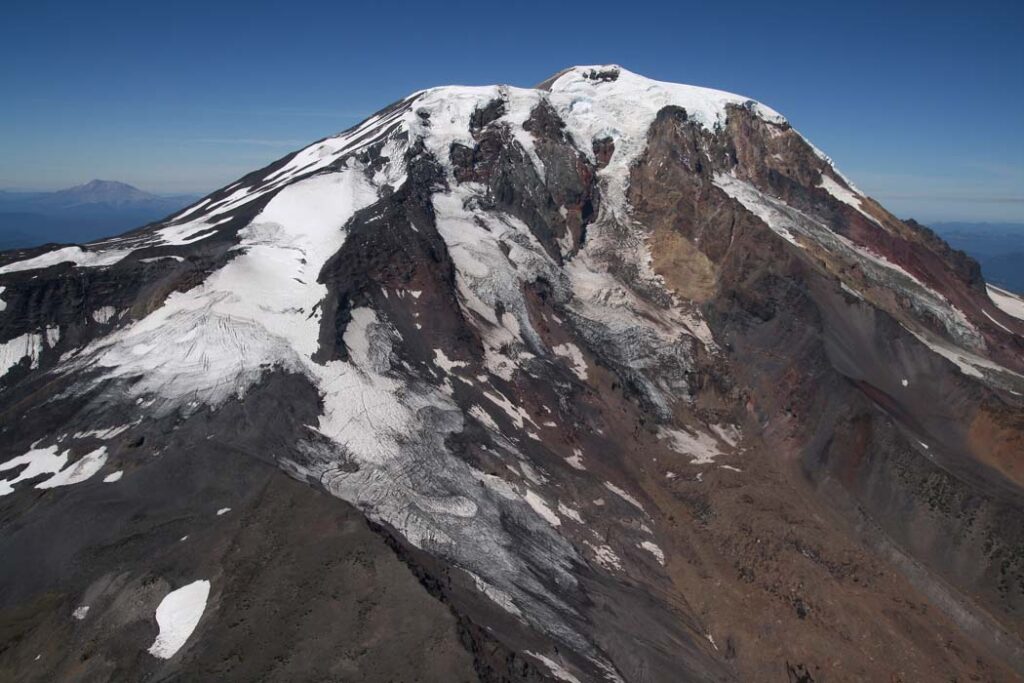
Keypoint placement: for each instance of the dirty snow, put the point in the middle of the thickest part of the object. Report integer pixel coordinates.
(572, 352)
(103, 314)
(569, 512)
(605, 556)
(484, 418)
(576, 459)
(702, 448)
(500, 597)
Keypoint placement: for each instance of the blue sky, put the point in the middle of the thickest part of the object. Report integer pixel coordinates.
(922, 104)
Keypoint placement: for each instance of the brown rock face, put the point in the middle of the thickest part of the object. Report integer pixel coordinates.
(769, 307)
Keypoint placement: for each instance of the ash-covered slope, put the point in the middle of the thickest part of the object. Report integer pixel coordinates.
(629, 382)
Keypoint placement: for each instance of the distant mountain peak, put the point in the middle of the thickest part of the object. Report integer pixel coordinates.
(99, 184)
(98, 191)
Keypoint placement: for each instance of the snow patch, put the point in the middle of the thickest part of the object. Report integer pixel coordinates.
(846, 196)
(498, 596)
(83, 468)
(75, 255)
(653, 549)
(12, 351)
(1008, 303)
(996, 322)
(38, 461)
(484, 418)
(113, 476)
(624, 496)
(177, 616)
(442, 361)
(575, 356)
(154, 259)
(569, 512)
(103, 314)
(516, 413)
(605, 556)
(576, 459)
(701, 448)
(557, 670)
(102, 433)
(540, 506)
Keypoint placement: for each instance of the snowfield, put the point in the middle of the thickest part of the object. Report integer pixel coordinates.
(177, 616)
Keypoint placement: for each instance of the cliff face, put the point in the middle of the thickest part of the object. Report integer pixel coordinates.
(625, 379)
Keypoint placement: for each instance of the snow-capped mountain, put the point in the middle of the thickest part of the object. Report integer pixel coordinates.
(608, 379)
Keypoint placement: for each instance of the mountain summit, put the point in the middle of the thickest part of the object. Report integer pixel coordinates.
(606, 380)
(102, 192)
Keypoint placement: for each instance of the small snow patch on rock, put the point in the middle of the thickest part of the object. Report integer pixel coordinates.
(576, 459)
(605, 556)
(442, 361)
(103, 314)
(624, 496)
(572, 352)
(569, 512)
(653, 549)
(541, 508)
(177, 616)
(557, 670)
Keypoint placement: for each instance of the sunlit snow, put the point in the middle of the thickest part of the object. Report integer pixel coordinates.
(177, 616)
